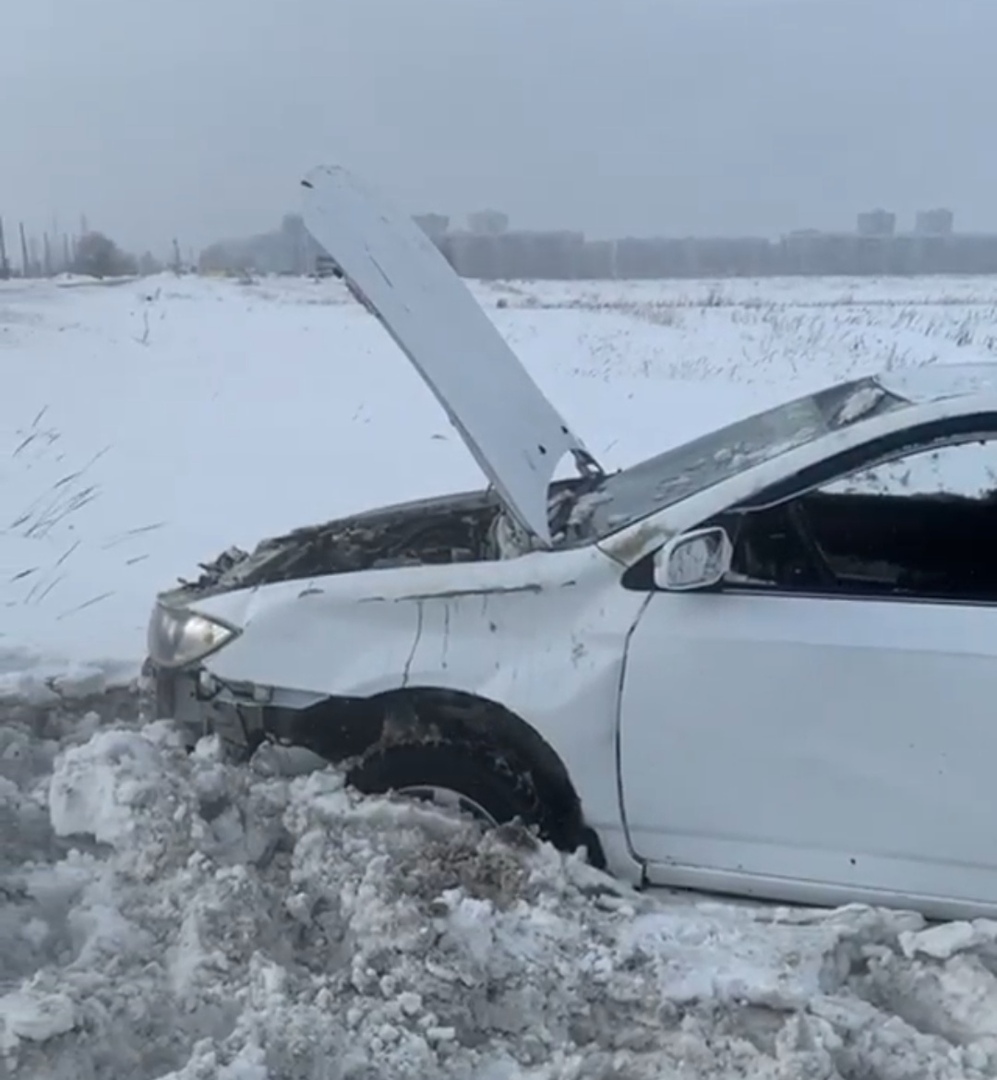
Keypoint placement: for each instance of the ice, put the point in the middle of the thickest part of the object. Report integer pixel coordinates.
(174, 915)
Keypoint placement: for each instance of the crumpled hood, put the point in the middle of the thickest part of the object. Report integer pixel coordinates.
(445, 529)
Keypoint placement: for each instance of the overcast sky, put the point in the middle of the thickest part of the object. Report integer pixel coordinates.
(196, 117)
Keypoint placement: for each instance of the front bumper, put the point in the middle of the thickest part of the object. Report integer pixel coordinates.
(200, 706)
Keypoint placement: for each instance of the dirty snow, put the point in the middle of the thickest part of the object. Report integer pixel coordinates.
(165, 915)
(174, 915)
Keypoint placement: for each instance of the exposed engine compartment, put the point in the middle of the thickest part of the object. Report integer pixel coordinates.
(466, 527)
(454, 529)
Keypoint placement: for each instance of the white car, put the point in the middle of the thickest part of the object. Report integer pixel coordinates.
(741, 666)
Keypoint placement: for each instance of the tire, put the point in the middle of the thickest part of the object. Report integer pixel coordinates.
(504, 789)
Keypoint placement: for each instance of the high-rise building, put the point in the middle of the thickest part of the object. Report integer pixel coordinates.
(877, 223)
(938, 222)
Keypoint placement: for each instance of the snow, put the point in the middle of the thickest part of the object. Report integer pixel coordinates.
(177, 916)
(151, 424)
(165, 915)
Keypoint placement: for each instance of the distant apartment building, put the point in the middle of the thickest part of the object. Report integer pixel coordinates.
(489, 249)
(876, 223)
(940, 222)
(434, 226)
(488, 222)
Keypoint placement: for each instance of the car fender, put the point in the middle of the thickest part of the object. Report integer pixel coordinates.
(542, 635)
(554, 658)
(307, 637)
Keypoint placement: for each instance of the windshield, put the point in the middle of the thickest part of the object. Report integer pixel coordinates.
(661, 481)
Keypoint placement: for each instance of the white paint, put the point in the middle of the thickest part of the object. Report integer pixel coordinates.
(843, 742)
(543, 635)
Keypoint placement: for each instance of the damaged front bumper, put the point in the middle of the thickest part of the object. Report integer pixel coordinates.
(244, 716)
(200, 705)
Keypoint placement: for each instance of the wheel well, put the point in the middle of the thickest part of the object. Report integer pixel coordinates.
(341, 729)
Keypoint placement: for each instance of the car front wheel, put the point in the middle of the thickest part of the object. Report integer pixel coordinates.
(479, 781)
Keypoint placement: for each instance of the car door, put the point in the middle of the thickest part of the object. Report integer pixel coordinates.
(825, 740)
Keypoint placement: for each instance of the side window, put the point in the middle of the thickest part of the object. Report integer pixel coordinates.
(964, 469)
(923, 525)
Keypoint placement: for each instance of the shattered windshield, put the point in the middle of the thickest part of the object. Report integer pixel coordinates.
(677, 474)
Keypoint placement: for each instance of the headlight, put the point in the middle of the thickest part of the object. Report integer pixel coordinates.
(178, 637)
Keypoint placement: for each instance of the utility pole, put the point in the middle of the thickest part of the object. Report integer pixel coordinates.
(25, 264)
(47, 256)
(4, 264)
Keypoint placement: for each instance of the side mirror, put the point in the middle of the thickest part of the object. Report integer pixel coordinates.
(694, 560)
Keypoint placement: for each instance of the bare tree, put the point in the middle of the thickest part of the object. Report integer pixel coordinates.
(148, 264)
(99, 256)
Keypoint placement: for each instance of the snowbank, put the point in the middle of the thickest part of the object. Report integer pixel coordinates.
(174, 916)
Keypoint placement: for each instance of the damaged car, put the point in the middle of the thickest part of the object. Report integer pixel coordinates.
(762, 663)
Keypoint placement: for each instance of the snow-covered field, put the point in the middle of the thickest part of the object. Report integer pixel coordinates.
(165, 915)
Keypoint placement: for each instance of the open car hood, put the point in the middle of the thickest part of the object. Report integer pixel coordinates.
(394, 269)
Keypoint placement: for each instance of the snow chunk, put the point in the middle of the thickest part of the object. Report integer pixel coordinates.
(120, 789)
(860, 402)
(31, 1015)
(944, 941)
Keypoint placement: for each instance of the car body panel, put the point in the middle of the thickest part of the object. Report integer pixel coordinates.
(267, 612)
(827, 749)
(514, 433)
(842, 741)
(495, 630)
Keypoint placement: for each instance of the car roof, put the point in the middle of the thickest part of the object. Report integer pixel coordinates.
(936, 382)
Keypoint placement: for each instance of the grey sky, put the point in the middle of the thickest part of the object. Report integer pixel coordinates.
(196, 117)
